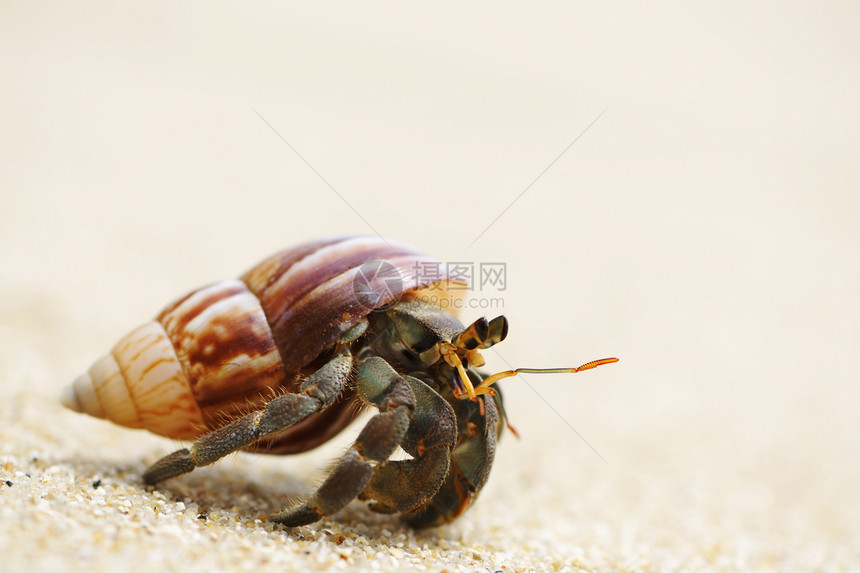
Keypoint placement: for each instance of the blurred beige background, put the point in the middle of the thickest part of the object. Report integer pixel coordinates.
(703, 229)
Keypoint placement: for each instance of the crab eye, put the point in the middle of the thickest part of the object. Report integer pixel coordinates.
(472, 337)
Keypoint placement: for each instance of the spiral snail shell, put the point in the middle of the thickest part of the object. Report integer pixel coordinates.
(224, 349)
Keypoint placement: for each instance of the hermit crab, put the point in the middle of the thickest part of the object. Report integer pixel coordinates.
(284, 358)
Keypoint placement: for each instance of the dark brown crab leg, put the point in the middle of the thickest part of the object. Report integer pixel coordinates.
(405, 485)
(472, 460)
(316, 393)
(379, 385)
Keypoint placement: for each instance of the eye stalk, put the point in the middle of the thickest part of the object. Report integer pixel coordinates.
(480, 335)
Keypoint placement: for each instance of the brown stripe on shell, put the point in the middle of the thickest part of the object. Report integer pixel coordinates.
(223, 340)
(307, 274)
(270, 269)
(313, 303)
(318, 318)
(177, 314)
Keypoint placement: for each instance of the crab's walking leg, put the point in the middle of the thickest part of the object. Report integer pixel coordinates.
(380, 385)
(472, 460)
(406, 485)
(317, 392)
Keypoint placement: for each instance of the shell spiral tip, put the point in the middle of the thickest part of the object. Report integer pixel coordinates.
(81, 397)
(69, 399)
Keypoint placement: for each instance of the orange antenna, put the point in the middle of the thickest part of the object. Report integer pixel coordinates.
(484, 387)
